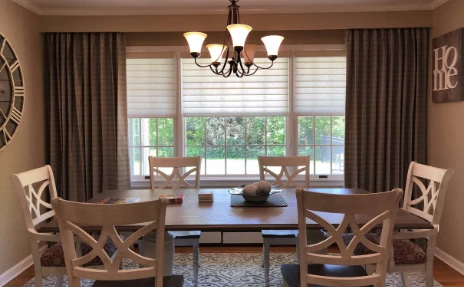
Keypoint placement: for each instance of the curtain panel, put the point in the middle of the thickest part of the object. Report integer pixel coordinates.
(86, 81)
(386, 106)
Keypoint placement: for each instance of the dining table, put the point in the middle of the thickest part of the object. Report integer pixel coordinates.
(219, 215)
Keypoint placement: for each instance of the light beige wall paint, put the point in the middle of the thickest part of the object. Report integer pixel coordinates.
(27, 150)
(259, 22)
(446, 140)
(291, 37)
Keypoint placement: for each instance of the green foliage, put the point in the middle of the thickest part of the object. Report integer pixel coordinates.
(225, 136)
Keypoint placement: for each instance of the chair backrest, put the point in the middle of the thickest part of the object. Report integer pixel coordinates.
(380, 208)
(429, 205)
(31, 187)
(284, 178)
(176, 179)
(72, 215)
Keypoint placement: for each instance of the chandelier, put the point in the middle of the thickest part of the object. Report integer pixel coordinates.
(240, 58)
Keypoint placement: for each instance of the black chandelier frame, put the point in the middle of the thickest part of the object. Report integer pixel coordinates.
(236, 64)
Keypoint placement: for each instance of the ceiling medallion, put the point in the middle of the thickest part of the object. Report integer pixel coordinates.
(241, 57)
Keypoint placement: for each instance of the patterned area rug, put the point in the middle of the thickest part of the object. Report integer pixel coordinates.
(236, 270)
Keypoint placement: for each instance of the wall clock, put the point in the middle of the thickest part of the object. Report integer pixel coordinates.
(11, 93)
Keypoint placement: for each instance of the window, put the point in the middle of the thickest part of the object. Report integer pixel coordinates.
(149, 137)
(322, 138)
(295, 108)
(230, 145)
(151, 109)
(320, 84)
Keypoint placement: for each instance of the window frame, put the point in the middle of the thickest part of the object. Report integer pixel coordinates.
(142, 181)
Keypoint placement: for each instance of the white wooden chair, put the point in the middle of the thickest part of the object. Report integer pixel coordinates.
(34, 189)
(284, 178)
(428, 206)
(406, 256)
(72, 215)
(344, 269)
(181, 168)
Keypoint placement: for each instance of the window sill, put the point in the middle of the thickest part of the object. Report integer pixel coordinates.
(237, 181)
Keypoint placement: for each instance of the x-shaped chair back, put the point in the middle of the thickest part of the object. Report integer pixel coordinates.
(429, 205)
(181, 168)
(380, 207)
(284, 178)
(74, 215)
(32, 187)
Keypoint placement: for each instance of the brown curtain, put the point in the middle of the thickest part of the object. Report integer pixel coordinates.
(88, 113)
(386, 106)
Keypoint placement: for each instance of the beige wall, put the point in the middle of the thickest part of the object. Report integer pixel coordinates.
(27, 150)
(332, 37)
(260, 22)
(446, 139)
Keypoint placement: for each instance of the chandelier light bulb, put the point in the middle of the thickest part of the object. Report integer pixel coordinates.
(195, 41)
(216, 51)
(272, 44)
(239, 33)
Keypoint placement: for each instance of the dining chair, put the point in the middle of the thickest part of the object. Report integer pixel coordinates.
(35, 188)
(285, 177)
(173, 172)
(71, 216)
(344, 268)
(407, 256)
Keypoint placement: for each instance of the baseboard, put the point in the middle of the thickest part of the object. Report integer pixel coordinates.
(19, 268)
(449, 260)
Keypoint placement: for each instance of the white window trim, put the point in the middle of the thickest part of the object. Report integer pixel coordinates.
(291, 135)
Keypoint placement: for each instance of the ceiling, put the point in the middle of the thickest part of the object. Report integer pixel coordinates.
(182, 7)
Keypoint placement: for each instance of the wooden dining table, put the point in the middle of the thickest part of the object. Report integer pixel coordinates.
(220, 216)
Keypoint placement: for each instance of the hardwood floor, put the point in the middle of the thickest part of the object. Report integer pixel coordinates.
(442, 272)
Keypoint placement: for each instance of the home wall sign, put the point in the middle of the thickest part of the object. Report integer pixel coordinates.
(448, 67)
(11, 93)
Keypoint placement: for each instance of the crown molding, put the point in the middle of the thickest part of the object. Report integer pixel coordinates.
(269, 10)
(30, 6)
(437, 3)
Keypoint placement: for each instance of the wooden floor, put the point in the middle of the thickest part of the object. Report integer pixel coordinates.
(442, 272)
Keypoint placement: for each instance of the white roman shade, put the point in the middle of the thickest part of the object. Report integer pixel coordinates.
(320, 86)
(151, 88)
(263, 94)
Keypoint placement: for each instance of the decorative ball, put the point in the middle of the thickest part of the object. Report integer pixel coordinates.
(249, 190)
(263, 187)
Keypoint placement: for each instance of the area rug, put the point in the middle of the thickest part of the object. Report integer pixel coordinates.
(236, 270)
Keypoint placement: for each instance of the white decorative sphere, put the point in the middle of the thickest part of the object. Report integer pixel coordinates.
(263, 187)
(249, 190)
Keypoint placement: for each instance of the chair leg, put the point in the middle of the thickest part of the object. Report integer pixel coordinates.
(297, 249)
(266, 244)
(404, 279)
(429, 264)
(59, 280)
(37, 264)
(38, 277)
(196, 257)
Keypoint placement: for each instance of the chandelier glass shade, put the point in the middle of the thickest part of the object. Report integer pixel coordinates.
(239, 59)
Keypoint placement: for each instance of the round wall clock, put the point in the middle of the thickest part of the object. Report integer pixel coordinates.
(11, 93)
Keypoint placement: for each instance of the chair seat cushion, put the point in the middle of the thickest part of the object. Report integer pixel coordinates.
(405, 251)
(168, 281)
(54, 256)
(280, 233)
(360, 249)
(291, 272)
